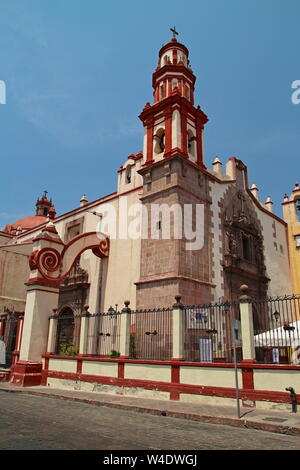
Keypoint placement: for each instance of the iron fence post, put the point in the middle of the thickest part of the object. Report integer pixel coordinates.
(178, 331)
(247, 330)
(84, 329)
(125, 331)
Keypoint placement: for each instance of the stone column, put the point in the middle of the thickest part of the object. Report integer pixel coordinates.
(39, 303)
(84, 329)
(41, 298)
(247, 330)
(125, 331)
(178, 330)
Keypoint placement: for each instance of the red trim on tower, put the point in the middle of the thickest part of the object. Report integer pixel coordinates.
(175, 56)
(183, 120)
(168, 132)
(149, 157)
(199, 143)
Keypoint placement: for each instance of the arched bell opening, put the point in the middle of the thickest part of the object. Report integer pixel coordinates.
(159, 141)
(191, 144)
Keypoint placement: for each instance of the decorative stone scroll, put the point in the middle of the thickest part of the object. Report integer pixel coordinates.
(51, 259)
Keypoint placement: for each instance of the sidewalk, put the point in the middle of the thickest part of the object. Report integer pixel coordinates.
(284, 422)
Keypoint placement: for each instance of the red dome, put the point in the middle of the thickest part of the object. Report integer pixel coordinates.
(26, 223)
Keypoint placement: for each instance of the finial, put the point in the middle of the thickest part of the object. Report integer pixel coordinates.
(126, 308)
(296, 188)
(244, 289)
(178, 303)
(254, 190)
(52, 213)
(217, 165)
(45, 194)
(83, 200)
(269, 204)
(285, 198)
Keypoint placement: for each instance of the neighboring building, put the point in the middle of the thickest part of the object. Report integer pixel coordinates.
(291, 215)
(244, 242)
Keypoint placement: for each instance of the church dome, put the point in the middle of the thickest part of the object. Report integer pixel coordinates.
(44, 211)
(26, 223)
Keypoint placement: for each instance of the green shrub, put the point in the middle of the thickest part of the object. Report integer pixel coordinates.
(114, 354)
(68, 349)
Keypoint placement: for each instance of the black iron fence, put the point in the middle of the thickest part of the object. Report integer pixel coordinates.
(276, 323)
(209, 332)
(104, 334)
(151, 334)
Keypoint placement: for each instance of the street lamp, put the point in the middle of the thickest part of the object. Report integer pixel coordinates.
(276, 315)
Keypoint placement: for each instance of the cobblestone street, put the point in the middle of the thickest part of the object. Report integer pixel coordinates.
(34, 423)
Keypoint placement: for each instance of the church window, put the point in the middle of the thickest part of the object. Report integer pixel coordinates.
(246, 248)
(297, 238)
(297, 204)
(73, 231)
(161, 91)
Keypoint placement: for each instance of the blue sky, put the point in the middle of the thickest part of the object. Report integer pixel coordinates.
(78, 73)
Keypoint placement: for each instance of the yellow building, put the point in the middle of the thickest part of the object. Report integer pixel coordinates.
(291, 215)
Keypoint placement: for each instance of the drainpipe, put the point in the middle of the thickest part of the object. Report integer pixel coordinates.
(293, 399)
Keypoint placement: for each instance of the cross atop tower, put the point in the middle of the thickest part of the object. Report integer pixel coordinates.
(175, 33)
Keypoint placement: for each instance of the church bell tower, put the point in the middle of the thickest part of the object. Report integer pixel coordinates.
(174, 178)
(173, 124)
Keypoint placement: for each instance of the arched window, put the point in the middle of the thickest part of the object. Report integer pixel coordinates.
(65, 333)
(128, 174)
(159, 139)
(161, 91)
(174, 83)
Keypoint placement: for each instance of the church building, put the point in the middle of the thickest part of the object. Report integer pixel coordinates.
(242, 241)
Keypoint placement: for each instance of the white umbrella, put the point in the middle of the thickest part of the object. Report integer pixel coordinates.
(279, 337)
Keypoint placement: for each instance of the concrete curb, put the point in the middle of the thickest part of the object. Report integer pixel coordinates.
(228, 421)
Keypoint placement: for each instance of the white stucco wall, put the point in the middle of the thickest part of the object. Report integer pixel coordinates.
(276, 258)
